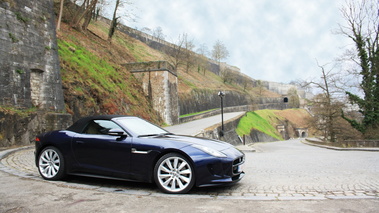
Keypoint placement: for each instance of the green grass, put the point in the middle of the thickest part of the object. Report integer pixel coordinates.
(97, 72)
(261, 120)
(187, 82)
(139, 52)
(21, 112)
(101, 84)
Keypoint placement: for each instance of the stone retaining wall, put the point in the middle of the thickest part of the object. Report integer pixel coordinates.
(29, 63)
(204, 99)
(18, 130)
(363, 143)
(30, 72)
(348, 144)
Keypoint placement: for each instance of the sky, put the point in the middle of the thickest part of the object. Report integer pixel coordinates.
(272, 40)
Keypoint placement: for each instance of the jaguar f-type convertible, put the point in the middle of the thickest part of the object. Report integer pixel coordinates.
(130, 148)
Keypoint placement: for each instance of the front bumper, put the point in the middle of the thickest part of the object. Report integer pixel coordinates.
(226, 181)
(220, 171)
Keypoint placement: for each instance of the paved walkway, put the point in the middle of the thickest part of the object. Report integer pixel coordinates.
(195, 127)
(286, 170)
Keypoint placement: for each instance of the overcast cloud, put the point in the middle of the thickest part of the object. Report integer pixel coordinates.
(274, 40)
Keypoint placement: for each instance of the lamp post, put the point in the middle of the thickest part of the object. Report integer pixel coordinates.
(222, 94)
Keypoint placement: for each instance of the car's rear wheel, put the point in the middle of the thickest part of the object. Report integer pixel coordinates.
(173, 173)
(51, 164)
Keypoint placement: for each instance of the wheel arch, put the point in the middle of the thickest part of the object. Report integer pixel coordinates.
(58, 139)
(167, 151)
(60, 146)
(62, 171)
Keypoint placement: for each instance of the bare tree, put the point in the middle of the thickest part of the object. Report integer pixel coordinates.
(202, 60)
(114, 22)
(203, 50)
(259, 85)
(326, 106)
(189, 54)
(119, 4)
(227, 75)
(158, 33)
(325, 116)
(224, 73)
(84, 14)
(219, 52)
(246, 83)
(175, 52)
(89, 15)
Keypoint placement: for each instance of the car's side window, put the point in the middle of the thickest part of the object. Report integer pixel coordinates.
(100, 127)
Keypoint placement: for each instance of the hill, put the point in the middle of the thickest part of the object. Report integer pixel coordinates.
(268, 121)
(95, 82)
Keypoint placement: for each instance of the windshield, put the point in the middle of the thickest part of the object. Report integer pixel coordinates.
(140, 127)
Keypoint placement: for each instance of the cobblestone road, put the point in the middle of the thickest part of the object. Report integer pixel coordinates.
(286, 170)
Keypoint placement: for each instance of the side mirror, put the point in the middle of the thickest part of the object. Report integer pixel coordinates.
(117, 132)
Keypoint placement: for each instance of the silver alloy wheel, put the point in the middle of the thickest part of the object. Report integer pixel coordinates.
(49, 163)
(175, 174)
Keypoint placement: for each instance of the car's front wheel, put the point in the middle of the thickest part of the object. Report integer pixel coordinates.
(173, 173)
(51, 164)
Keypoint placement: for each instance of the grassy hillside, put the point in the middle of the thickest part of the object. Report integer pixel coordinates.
(95, 82)
(266, 121)
(258, 120)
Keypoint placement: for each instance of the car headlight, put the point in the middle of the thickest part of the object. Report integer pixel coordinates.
(210, 151)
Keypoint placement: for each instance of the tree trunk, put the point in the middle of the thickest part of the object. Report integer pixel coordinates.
(112, 30)
(87, 11)
(81, 9)
(60, 16)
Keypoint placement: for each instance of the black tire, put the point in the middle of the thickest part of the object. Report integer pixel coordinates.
(174, 174)
(51, 164)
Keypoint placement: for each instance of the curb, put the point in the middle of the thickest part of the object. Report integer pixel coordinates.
(366, 149)
(245, 148)
(5, 152)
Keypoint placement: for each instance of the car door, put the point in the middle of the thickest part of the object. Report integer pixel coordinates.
(144, 151)
(99, 153)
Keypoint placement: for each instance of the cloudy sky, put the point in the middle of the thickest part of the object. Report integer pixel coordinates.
(273, 40)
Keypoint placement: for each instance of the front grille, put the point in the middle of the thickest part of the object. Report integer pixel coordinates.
(237, 163)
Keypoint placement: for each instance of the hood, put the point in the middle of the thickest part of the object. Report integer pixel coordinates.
(214, 144)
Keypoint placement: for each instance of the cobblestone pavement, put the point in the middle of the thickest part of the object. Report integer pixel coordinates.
(286, 170)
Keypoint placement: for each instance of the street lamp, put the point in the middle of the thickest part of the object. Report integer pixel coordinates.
(222, 94)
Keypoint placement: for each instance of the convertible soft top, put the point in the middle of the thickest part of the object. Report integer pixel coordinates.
(79, 125)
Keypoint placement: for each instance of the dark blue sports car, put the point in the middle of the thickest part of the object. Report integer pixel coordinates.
(130, 148)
